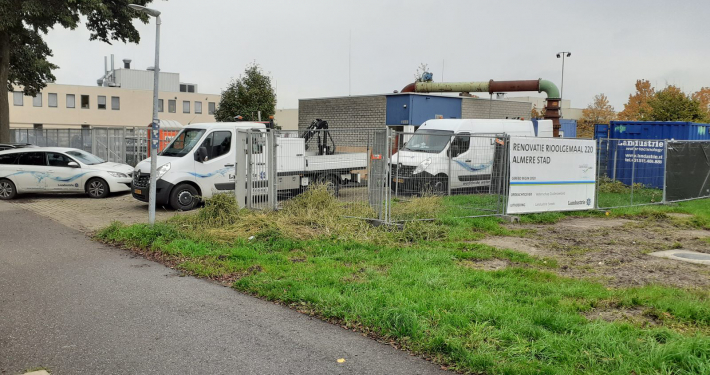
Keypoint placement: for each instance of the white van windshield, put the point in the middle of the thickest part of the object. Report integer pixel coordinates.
(183, 143)
(432, 141)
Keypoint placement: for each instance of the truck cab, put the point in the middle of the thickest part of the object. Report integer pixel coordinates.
(455, 154)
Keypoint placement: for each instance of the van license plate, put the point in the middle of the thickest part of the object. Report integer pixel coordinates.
(138, 191)
(398, 180)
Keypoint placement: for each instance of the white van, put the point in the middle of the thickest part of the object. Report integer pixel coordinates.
(448, 151)
(60, 170)
(199, 162)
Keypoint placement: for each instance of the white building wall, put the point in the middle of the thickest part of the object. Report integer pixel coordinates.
(136, 108)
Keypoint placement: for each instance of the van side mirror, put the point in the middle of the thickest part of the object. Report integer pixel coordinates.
(73, 164)
(201, 154)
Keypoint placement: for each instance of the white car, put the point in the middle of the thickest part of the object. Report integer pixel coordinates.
(60, 170)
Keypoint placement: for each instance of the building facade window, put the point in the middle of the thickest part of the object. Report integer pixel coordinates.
(171, 105)
(198, 108)
(101, 102)
(185, 106)
(37, 100)
(71, 101)
(52, 100)
(210, 108)
(18, 98)
(85, 101)
(160, 105)
(115, 103)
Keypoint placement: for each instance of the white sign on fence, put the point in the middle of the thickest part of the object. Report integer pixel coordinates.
(551, 174)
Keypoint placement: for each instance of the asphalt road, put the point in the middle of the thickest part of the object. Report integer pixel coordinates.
(78, 307)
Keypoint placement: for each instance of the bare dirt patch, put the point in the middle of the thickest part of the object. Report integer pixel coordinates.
(630, 315)
(614, 251)
(487, 265)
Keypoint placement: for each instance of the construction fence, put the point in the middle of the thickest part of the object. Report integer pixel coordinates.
(635, 172)
(393, 176)
(377, 174)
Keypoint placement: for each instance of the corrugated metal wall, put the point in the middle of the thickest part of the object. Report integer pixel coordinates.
(659, 130)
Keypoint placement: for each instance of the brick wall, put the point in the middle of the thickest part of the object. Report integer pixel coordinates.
(498, 109)
(346, 116)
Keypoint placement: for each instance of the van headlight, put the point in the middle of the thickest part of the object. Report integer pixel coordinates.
(422, 166)
(162, 170)
(118, 174)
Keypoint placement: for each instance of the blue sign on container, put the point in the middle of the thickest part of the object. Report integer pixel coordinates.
(637, 161)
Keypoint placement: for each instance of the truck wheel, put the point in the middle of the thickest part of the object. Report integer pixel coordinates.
(97, 188)
(7, 189)
(331, 182)
(183, 197)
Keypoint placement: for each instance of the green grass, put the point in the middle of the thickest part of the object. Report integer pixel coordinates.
(421, 287)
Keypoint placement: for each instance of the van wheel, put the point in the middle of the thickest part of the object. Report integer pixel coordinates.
(7, 189)
(183, 197)
(97, 188)
(438, 185)
(331, 182)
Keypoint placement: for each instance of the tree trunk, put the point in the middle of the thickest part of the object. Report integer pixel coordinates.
(4, 93)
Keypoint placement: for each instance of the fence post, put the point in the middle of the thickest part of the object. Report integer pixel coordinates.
(448, 173)
(250, 169)
(633, 171)
(505, 178)
(665, 169)
(616, 150)
(596, 175)
(388, 165)
(272, 164)
(123, 145)
(240, 169)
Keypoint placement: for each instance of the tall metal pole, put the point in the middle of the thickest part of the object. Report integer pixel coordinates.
(155, 128)
(562, 87)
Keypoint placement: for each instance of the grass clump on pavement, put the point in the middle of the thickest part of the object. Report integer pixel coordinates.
(422, 289)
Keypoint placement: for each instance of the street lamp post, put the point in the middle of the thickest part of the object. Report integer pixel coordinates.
(563, 55)
(155, 127)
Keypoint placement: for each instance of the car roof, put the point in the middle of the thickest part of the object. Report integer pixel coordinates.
(39, 149)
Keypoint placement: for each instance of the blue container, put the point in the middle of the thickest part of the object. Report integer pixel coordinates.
(415, 109)
(682, 131)
(601, 131)
(568, 128)
(635, 151)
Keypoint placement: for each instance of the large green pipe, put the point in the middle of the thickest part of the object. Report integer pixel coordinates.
(549, 88)
(552, 107)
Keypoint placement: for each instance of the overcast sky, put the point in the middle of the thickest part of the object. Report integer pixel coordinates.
(304, 45)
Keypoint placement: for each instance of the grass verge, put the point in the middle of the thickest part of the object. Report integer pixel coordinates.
(415, 289)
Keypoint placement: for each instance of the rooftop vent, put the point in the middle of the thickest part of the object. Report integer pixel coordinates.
(126, 63)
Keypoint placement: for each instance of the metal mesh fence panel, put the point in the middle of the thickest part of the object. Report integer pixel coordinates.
(631, 172)
(439, 174)
(338, 161)
(688, 170)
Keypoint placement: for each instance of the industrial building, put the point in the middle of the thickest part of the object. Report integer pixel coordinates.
(403, 110)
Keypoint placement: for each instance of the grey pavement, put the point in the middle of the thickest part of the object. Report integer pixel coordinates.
(78, 307)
